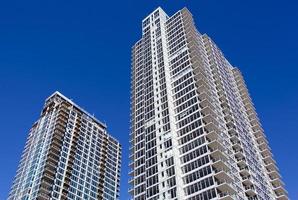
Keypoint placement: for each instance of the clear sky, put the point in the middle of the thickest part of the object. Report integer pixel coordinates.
(82, 49)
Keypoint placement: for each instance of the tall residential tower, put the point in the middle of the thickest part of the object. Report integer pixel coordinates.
(195, 133)
(68, 155)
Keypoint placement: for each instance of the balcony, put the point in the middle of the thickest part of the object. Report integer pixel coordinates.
(222, 97)
(55, 149)
(50, 170)
(276, 181)
(262, 145)
(43, 194)
(130, 181)
(51, 165)
(45, 184)
(220, 92)
(131, 148)
(224, 104)
(236, 145)
(281, 193)
(265, 152)
(62, 119)
(273, 173)
(234, 138)
(48, 178)
(279, 190)
(241, 86)
(211, 135)
(130, 173)
(52, 158)
(208, 118)
(225, 186)
(131, 190)
(219, 86)
(202, 87)
(250, 111)
(55, 142)
(259, 134)
(232, 131)
(224, 196)
(246, 100)
(248, 106)
(247, 181)
(260, 140)
(228, 117)
(244, 171)
(257, 128)
(216, 144)
(250, 190)
(222, 174)
(131, 156)
(230, 123)
(53, 155)
(282, 197)
(203, 95)
(217, 153)
(253, 117)
(58, 136)
(131, 164)
(60, 128)
(241, 162)
(211, 127)
(268, 159)
(270, 167)
(205, 103)
(208, 111)
(220, 163)
(254, 122)
(239, 154)
(226, 110)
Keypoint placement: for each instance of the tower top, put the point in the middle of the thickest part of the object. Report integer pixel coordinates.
(59, 94)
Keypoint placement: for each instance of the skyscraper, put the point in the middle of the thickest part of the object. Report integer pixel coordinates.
(195, 133)
(68, 155)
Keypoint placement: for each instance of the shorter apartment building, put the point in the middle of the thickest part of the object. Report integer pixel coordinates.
(68, 155)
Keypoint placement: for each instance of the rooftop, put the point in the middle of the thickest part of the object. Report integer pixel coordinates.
(77, 106)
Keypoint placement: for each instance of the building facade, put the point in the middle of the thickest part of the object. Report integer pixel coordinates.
(195, 133)
(68, 155)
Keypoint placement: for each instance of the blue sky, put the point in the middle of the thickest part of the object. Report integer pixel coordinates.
(82, 49)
